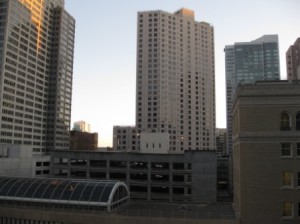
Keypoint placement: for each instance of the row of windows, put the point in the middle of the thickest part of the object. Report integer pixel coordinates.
(175, 190)
(123, 164)
(169, 19)
(131, 177)
(40, 172)
(287, 150)
(20, 142)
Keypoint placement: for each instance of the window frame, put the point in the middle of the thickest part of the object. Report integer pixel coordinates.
(289, 149)
(285, 121)
(298, 121)
(287, 209)
(287, 179)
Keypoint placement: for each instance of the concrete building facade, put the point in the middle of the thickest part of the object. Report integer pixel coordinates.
(154, 142)
(36, 66)
(188, 177)
(126, 138)
(266, 152)
(175, 88)
(19, 161)
(175, 80)
(293, 61)
(248, 62)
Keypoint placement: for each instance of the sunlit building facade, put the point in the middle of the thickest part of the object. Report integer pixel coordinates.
(81, 126)
(175, 90)
(36, 66)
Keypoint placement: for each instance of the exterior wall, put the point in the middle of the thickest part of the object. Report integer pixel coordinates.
(172, 91)
(154, 143)
(126, 138)
(36, 58)
(18, 161)
(189, 177)
(60, 81)
(41, 166)
(83, 141)
(258, 163)
(293, 61)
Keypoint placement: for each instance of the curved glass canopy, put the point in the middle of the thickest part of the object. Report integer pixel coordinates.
(65, 191)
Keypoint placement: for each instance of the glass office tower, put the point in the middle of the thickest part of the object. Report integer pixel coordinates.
(249, 62)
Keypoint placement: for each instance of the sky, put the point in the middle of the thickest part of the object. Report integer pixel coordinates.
(105, 50)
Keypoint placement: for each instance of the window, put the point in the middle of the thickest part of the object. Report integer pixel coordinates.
(285, 121)
(298, 149)
(298, 121)
(286, 149)
(287, 178)
(287, 209)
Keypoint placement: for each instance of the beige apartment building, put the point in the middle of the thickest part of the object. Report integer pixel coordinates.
(266, 152)
(125, 138)
(175, 87)
(175, 90)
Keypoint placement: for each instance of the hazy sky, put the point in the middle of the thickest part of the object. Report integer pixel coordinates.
(105, 50)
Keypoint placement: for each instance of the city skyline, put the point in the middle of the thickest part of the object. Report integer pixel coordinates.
(105, 67)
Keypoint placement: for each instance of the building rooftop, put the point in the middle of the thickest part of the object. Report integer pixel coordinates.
(187, 13)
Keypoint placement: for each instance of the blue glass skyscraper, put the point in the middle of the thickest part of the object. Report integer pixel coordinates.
(248, 62)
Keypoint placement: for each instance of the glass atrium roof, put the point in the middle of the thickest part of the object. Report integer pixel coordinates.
(64, 191)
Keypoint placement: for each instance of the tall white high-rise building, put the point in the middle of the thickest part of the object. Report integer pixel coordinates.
(36, 66)
(175, 88)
